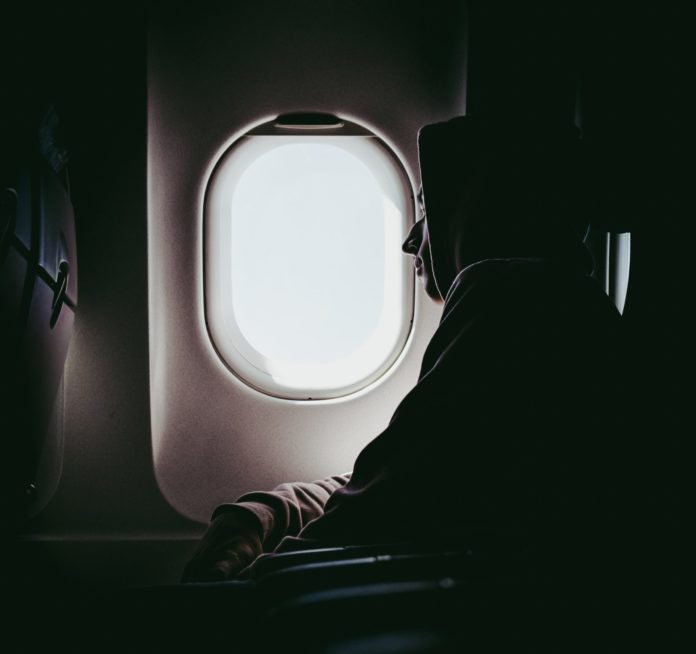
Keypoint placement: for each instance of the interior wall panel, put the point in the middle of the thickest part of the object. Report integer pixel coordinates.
(210, 77)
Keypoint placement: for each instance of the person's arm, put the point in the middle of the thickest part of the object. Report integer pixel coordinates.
(287, 509)
(256, 523)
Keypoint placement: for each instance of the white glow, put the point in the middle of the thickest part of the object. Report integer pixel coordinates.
(307, 291)
(618, 268)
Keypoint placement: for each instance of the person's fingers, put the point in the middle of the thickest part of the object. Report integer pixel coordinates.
(227, 547)
(209, 574)
(228, 567)
(224, 565)
(196, 572)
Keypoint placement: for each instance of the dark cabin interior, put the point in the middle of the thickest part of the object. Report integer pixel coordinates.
(75, 105)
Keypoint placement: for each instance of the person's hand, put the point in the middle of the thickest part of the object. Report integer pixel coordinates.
(230, 544)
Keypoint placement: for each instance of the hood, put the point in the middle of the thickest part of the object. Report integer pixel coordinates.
(494, 189)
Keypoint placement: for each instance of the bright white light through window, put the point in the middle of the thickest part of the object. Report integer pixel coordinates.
(308, 294)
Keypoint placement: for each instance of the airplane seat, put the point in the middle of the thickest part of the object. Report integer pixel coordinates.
(270, 563)
(293, 582)
(446, 614)
(38, 295)
(403, 579)
(504, 545)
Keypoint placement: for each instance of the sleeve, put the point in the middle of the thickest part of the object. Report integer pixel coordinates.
(286, 509)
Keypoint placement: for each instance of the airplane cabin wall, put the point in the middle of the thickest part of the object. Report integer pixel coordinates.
(210, 77)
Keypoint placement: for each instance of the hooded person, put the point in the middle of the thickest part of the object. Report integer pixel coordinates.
(497, 190)
(508, 442)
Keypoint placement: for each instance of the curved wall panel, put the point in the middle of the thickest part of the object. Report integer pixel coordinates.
(211, 77)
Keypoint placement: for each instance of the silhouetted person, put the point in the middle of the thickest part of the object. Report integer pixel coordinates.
(510, 440)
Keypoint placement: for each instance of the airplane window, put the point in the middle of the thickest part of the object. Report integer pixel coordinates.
(618, 266)
(308, 295)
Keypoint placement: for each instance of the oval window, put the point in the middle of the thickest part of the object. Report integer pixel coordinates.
(307, 292)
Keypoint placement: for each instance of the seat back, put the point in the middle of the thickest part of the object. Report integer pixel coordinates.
(38, 298)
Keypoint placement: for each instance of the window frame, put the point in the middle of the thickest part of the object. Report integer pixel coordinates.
(238, 360)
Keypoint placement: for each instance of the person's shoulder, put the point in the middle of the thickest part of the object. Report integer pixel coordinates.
(494, 285)
(479, 290)
(491, 275)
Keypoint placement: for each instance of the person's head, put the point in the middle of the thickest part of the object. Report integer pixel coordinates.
(496, 190)
(417, 244)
